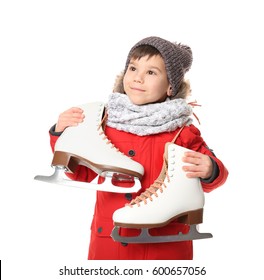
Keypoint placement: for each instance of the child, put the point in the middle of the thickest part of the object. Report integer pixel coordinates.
(145, 111)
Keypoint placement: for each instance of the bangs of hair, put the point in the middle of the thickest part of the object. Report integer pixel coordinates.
(144, 50)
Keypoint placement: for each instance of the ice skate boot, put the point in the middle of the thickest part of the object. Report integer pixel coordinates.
(172, 196)
(86, 144)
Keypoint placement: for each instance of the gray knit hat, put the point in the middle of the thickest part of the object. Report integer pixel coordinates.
(177, 57)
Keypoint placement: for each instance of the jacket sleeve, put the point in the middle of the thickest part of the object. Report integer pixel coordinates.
(82, 173)
(190, 138)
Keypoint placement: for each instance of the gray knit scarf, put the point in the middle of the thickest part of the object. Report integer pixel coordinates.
(147, 119)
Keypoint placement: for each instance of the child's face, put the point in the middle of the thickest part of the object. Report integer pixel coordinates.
(146, 81)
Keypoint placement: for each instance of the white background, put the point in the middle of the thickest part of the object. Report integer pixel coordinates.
(58, 54)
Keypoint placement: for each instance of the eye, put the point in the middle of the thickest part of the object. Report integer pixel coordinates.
(150, 72)
(132, 68)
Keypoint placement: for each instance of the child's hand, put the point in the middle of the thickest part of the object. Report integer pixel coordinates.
(201, 165)
(71, 117)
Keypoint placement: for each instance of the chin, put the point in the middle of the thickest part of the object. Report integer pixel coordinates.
(135, 101)
(139, 103)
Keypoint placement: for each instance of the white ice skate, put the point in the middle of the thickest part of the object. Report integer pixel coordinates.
(86, 144)
(172, 196)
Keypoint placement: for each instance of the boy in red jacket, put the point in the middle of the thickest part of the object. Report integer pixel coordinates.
(145, 111)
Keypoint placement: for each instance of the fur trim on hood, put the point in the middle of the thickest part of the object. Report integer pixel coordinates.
(118, 86)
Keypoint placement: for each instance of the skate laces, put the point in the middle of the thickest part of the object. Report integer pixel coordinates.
(193, 104)
(152, 190)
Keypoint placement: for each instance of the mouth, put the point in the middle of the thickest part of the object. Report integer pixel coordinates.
(137, 89)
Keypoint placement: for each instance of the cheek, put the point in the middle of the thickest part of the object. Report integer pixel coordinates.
(125, 80)
(163, 87)
(166, 87)
(125, 85)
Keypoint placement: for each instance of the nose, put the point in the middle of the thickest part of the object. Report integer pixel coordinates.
(138, 78)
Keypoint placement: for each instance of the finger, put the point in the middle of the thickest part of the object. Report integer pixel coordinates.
(193, 154)
(76, 110)
(194, 171)
(192, 168)
(195, 174)
(75, 116)
(192, 160)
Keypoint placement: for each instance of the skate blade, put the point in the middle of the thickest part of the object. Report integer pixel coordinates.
(58, 178)
(145, 237)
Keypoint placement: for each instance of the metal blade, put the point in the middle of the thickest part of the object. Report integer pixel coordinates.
(145, 237)
(58, 178)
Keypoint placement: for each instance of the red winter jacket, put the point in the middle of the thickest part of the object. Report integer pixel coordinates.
(147, 150)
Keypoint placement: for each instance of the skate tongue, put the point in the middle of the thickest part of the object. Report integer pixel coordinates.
(148, 193)
(157, 185)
